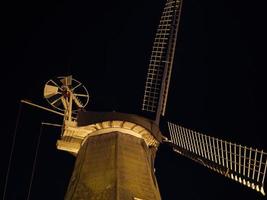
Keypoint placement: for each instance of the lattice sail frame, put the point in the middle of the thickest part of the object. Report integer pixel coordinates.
(240, 163)
(161, 61)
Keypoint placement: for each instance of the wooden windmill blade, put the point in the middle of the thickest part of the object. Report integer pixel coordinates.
(161, 61)
(240, 163)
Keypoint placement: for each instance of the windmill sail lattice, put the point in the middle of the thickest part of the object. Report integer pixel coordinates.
(240, 163)
(161, 61)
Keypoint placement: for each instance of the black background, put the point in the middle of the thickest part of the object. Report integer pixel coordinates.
(218, 85)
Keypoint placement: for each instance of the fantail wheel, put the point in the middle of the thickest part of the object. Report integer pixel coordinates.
(64, 90)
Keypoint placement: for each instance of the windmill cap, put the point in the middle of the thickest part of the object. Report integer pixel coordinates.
(91, 117)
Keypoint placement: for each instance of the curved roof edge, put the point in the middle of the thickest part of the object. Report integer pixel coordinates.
(91, 117)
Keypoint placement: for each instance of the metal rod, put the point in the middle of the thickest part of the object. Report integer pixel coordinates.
(41, 107)
(51, 124)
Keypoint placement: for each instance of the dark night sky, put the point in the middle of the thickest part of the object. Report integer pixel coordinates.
(218, 84)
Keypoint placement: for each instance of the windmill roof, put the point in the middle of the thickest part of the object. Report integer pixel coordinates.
(91, 117)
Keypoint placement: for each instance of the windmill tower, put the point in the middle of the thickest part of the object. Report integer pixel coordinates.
(115, 151)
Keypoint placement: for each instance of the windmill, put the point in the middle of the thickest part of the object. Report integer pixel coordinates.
(245, 165)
